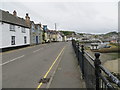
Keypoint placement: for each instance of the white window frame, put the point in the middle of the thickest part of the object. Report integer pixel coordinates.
(12, 40)
(12, 27)
(25, 39)
(23, 30)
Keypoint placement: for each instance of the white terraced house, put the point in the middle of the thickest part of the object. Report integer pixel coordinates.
(14, 30)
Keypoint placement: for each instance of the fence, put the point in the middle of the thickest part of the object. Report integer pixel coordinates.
(95, 75)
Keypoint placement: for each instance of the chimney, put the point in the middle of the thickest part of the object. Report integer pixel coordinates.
(14, 13)
(40, 24)
(7, 11)
(27, 18)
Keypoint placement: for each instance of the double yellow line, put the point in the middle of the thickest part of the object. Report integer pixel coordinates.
(51, 67)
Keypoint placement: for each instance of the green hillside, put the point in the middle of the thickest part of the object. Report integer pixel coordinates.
(67, 32)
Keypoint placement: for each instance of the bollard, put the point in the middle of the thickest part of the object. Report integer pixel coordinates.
(82, 49)
(97, 62)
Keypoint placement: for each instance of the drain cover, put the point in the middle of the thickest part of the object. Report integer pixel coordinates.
(44, 80)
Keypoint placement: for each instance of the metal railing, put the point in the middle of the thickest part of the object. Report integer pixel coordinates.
(95, 75)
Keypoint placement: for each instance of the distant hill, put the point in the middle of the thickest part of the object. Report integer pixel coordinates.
(69, 33)
(66, 33)
(111, 34)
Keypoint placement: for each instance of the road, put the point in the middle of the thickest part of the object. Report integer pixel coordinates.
(24, 68)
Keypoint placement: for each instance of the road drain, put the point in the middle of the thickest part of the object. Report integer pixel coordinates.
(44, 80)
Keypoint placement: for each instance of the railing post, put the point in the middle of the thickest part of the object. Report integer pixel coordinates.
(82, 49)
(75, 46)
(78, 52)
(97, 62)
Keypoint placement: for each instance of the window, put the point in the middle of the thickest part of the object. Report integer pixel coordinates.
(12, 27)
(23, 30)
(25, 39)
(13, 40)
(2, 23)
(33, 29)
(33, 38)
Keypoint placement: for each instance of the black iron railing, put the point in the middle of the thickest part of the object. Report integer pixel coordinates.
(95, 75)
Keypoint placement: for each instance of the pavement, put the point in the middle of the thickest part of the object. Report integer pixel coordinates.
(68, 74)
(23, 68)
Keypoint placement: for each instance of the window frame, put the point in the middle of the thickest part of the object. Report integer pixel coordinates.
(23, 30)
(25, 39)
(12, 40)
(12, 27)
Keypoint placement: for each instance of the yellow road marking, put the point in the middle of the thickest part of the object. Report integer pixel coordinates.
(50, 68)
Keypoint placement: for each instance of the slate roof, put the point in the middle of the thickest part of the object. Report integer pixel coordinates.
(36, 25)
(11, 19)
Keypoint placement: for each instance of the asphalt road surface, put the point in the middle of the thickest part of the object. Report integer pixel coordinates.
(23, 68)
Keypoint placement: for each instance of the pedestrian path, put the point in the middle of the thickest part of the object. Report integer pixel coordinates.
(67, 74)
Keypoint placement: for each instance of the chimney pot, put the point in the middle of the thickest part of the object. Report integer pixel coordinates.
(26, 14)
(14, 13)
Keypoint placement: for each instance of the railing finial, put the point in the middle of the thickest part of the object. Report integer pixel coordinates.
(82, 45)
(97, 55)
(82, 49)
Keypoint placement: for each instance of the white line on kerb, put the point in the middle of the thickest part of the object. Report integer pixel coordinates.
(12, 60)
(37, 50)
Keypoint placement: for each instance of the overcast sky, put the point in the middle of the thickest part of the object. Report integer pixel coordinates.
(88, 17)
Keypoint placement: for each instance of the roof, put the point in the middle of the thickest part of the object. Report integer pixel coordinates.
(36, 25)
(11, 19)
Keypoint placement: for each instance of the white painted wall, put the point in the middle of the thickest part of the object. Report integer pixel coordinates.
(0, 54)
(69, 38)
(0, 34)
(59, 37)
(65, 38)
(19, 36)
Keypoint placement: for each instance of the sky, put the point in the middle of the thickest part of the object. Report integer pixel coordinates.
(88, 16)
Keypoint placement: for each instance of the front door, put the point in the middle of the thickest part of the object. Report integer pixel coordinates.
(36, 39)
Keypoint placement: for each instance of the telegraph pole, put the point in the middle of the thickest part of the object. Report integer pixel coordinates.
(55, 27)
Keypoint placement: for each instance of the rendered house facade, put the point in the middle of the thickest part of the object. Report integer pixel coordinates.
(59, 37)
(33, 38)
(39, 33)
(14, 30)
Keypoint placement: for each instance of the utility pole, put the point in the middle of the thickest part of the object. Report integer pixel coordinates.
(55, 27)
